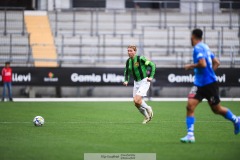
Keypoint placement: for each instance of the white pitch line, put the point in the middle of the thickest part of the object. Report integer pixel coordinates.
(119, 122)
(72, 99)
(106, 99)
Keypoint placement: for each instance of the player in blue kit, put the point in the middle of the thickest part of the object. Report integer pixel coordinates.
(205, 86)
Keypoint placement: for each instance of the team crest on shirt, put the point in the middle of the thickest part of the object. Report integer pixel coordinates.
(136, 64)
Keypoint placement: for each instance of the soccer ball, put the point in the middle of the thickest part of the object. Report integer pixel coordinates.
(38, 121)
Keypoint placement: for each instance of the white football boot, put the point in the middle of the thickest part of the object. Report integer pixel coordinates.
(146, 120)
(150, 113)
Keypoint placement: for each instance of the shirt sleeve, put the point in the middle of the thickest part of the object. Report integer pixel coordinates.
(150, 64)
(3, 75)
(2, 72)
(126, 72)
(198, 54)
(212, 55)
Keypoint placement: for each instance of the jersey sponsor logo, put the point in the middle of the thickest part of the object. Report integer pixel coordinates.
(136, 64)
(214, 100)
(193, 90)
(8, 73)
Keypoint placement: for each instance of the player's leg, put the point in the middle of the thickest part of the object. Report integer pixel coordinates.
(8, 90)
(4, 91)
(137, 99)
(138, 102)
(190, 120)
(227, 113)
(9, 86)
(194, 98)
(148, 108)
(214, 102)
(142, 91)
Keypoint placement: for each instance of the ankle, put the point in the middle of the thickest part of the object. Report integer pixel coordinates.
(190, 134)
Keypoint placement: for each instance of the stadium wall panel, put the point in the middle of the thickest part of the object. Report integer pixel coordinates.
(164, 77)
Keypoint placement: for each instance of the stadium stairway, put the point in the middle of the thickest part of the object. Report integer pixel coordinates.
(41, 39)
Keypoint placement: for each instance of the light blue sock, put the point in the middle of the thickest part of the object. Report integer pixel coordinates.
(230, 116)
(190, 125)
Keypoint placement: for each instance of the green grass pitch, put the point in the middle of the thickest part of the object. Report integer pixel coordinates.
(74, 128)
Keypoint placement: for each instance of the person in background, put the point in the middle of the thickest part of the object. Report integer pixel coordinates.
(7, 81)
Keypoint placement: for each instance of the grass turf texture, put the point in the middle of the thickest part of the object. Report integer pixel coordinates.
(74, 128)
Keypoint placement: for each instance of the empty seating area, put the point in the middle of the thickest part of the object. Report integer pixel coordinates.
(12, 21)
(15, 48)
(14, 40)
(99, 37)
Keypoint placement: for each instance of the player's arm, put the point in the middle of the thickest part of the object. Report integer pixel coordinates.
(3, 72)
(215, 63)
(126, 74)
(153, 68)
(2, 75)
(201, 64)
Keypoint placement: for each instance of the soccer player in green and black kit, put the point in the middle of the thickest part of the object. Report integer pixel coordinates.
(137, 66)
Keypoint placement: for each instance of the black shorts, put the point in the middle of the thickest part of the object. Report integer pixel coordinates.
(210, 92)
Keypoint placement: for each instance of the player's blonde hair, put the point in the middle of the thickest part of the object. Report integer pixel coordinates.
(133, 47)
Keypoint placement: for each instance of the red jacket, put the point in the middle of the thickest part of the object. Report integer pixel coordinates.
(7, 74)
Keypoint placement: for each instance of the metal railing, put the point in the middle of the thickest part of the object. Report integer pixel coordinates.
(163, 19)
(10, 54)
(94, 20)
(178, 59)
(170, 45)
(163, 23)
(6, 19)
(100, 47)
(192, 10)
(176, 56)
(163, 13)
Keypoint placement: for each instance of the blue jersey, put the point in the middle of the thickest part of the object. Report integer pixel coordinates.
(203, 76)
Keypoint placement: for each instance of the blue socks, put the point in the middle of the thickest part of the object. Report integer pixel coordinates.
(191, 120)
(230, 116)
(190, 125)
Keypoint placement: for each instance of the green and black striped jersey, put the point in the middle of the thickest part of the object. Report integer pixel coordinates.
(138, 67)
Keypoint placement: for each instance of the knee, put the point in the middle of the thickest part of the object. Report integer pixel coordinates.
(216, 110)
(189, 108)
(137, 102)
